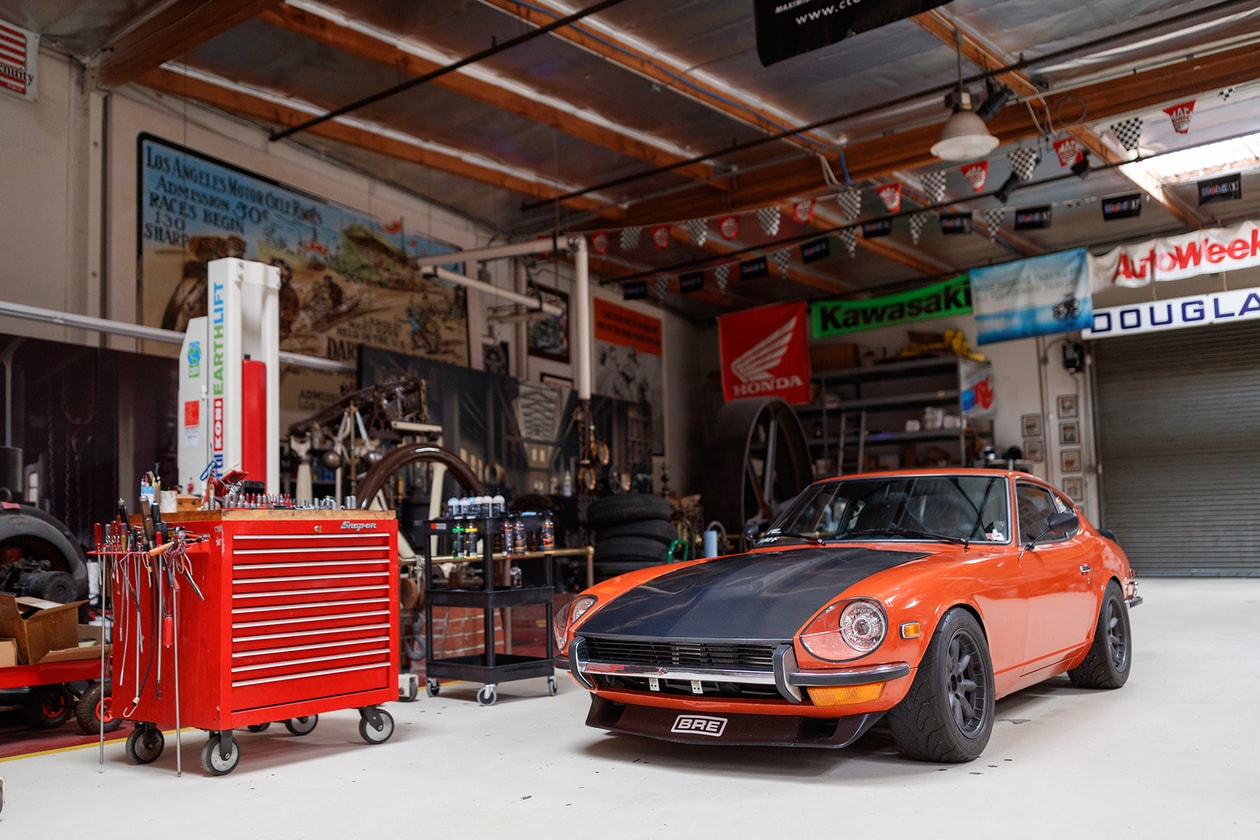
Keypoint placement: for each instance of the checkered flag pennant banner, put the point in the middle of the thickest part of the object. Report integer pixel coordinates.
(662, 286)
(993, 219)
(850, 202)
(630, 238)
(783, 260)
(917, 221)
(723, 276)
(768, 218)
(699, 231)
(1128, 132)
(849, 237)
(1023, 162)
(934, 186)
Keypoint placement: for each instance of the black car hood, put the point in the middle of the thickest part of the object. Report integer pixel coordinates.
(745, 596)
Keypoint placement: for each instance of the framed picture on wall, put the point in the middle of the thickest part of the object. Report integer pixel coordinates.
(1070, 460)
(1034, 449)
(1031, 425)
(549, 337)
(1075, 488)
(1069, 433)
(1067, 406)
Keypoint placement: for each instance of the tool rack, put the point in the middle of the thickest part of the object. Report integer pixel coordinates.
(490, 666)
(276, 615)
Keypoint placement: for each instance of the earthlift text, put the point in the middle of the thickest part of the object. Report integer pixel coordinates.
(763, 386)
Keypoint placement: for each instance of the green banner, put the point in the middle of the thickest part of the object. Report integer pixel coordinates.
(836, 317)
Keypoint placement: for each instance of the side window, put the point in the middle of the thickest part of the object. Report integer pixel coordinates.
(1035, 506)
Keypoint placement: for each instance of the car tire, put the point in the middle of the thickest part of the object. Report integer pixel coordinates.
(657, 529)
(1110, 656)
(611, 510)
(947, 716)
(626, 548)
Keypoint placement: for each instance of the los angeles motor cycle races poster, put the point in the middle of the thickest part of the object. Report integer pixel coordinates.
(345, 279)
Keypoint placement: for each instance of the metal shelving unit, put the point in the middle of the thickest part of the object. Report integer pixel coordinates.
(864, 410)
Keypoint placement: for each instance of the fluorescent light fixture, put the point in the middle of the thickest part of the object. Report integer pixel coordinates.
(1234, 155)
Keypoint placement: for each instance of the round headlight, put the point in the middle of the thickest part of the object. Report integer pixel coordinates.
(569, 615)
(846, 630)
(862, 626)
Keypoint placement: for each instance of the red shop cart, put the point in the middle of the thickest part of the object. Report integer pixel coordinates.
(275, 615)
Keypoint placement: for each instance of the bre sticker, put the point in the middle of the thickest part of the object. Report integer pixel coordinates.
(699, 725)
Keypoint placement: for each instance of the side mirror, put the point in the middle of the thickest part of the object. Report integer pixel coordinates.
(751, 532)
(1063, 523)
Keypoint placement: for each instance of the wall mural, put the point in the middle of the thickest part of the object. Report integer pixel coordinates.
(346, 279)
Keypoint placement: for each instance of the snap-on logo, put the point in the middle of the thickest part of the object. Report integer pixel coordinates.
(357, 526)
(699, 725)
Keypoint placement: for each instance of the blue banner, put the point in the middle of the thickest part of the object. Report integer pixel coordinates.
(1039, 296)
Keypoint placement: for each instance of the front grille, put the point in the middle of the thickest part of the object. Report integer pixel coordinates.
(751, 656)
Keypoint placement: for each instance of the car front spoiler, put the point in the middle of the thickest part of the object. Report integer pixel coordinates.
(787, 677)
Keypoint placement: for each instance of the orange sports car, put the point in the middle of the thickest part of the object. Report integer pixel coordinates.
(918, 596)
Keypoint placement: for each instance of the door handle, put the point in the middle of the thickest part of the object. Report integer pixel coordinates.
(1085, 569)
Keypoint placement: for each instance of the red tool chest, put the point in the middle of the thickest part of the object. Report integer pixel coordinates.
(277, 616)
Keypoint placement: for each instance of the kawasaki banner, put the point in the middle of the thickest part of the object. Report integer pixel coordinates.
(764, 353)
(1038, 296)
(836, 317)
(790, 27)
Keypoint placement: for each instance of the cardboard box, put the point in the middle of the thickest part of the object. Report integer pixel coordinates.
(38, 626)
(8, 652)
(834, 356)
(88, 646)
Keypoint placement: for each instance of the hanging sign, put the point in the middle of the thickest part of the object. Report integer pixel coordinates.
(1068, 150)
(790, 27)
(691, 282)
(1177, 257)
(660, 237)
(837, 317)
(1178, 313)
(1038, 296)
(977, 174)
(818, 249)
(1226, 188)
(890, 194)
(879, 227)
(1032, 218)
(754, 268)
(1180, 116)
(19, 58)
(1122, 207)
(599, 242)
(636, 290)
(955, 223)
(728, 226)
(765, 353)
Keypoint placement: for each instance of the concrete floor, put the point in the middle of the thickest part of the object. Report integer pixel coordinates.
(1174, 754)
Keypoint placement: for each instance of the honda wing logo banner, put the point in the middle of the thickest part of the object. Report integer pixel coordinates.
(765, 353)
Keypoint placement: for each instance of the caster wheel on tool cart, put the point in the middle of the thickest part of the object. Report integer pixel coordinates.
(145, 744)
(304, 725)
(431, 687)
(259, 727)
(487, 695)
(552, 688)
(213, 761)
(372, 734)
(92, 707)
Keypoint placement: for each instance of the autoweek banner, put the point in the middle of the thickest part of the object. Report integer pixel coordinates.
(1177, 257)
(836, 317)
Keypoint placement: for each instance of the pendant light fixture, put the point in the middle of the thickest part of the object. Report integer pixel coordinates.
(965, 136)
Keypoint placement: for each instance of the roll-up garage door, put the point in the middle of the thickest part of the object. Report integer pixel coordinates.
(1179, 444)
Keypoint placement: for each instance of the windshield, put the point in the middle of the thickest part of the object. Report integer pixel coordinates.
(958, 507)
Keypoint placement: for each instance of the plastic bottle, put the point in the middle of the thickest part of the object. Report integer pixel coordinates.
(509, 537)
(548, 539)
(498, 505)
(519, 542)
(566, 488)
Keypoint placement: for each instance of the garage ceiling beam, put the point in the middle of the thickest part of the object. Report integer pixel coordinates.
(177, 28)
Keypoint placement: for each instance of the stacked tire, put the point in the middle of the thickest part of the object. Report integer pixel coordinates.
(631, 532)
